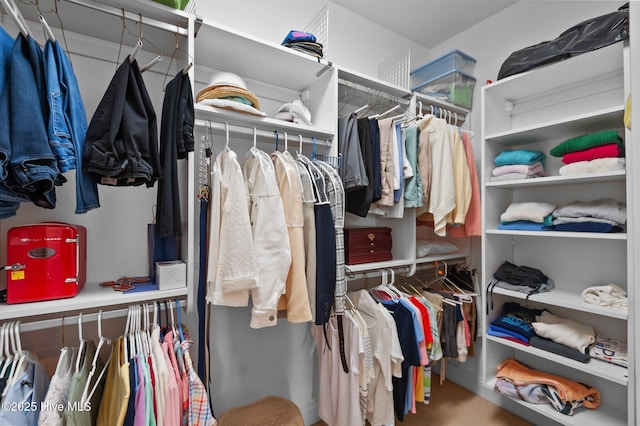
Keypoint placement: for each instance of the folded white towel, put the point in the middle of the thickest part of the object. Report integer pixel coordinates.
(610, 295)
(599, 165)
(533, 211)
(511, 176)
(534, 169)
(564, 331)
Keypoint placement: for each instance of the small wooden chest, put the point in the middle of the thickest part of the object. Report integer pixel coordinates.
(366, 245)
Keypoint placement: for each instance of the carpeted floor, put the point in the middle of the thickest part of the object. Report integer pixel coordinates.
(453, 405)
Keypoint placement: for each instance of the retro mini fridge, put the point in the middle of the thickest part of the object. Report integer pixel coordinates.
(47, 260)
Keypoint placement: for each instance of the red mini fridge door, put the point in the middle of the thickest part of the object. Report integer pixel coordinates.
(48, 262)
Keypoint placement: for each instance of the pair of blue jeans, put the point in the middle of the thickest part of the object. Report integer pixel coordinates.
(9, 200)
(32, 163)
(67, 124)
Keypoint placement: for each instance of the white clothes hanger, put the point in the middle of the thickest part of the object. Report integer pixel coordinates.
(378, 116)
(226, 144)
(134, 52)
(14, 13)
(47, 29)
(254, 138)
(102, 341)
(81, 344)
(151, 63)
(8, 355)
(362, 108)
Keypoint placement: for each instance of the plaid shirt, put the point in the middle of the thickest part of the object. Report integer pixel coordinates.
(335, 193)
(199, 410)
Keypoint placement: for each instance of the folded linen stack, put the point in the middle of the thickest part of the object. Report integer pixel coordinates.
(527, 216)
(591, 153)
(295, 112)
(518, 164)
(303, 42)
(603, 215)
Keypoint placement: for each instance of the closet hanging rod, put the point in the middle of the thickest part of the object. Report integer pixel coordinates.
(27, 327)
(374, 92)
(131, 16)
(405, 269)
(435, 263)
(411, 269)
(268, 135)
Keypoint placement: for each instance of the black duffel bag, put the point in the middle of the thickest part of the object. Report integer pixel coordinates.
(584, 37)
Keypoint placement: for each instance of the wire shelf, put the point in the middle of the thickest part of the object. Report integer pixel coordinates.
(319, 26)
(395, 70)
(191, 7)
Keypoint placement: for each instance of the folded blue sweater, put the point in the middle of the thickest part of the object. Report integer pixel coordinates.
(519, 156)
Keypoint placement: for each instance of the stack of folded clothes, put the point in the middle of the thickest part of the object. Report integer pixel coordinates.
(610, 350)
(518, 164)
(591, 153)
(303, 42)
(528, 216)
(519, 381)
(543, 330)
(514, 323)
(603, 215)
(562, 336)
(294, 112)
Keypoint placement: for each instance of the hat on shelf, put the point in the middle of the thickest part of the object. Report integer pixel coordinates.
(226, 85)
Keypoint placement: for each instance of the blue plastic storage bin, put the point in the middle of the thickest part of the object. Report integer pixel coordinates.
(452, 61)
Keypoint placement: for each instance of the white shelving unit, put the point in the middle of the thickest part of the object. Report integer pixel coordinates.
(93, 50)
(537, 110)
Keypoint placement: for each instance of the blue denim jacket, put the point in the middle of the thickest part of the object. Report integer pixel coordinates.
(33, 165)
(67, 125)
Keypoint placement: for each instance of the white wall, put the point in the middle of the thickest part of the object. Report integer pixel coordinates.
(354, 42)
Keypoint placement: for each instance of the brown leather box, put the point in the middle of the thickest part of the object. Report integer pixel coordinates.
(366, 245)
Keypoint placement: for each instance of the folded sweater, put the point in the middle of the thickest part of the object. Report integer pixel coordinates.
(511, 176)
(599, 165)
(568, 390)
(558, 348)
(532, 211)
(524, 225)
(610, 295)
(604, 208)
(587, 227)
(602, 151)
(519, 156)
(564, 331)
(528, 169)
(586, 141)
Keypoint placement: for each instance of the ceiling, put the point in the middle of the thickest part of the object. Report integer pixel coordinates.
(426, 22)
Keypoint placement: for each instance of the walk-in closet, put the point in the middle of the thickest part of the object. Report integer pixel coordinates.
(329, 213)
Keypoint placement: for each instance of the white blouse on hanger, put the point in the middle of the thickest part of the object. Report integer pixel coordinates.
(232, 260)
